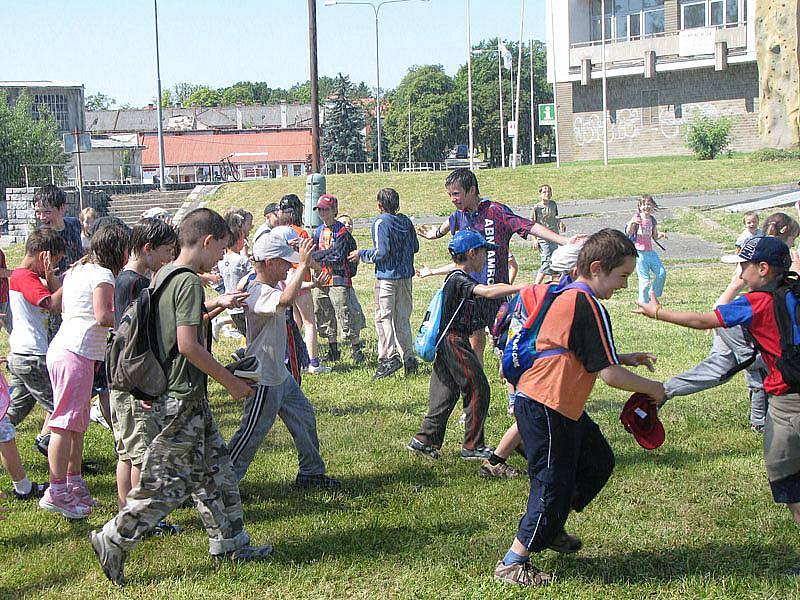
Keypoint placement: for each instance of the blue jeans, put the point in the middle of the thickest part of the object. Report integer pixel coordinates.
(289, 402)
(646, 263)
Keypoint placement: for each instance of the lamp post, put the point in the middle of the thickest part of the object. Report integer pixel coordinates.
(376, 8)
(161, 175)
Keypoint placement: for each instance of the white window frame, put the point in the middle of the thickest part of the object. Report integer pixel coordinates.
(742, 7)
(611, 26)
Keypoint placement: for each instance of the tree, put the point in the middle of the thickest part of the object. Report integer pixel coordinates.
(25, 140)
(343, 140)
(99, 101)
(166, 99)
(205, 96)
(438, 114)
(237, 93)
(181, 92)
(372, 143)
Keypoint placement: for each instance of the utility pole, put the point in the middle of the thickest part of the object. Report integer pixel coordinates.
(469, 86)
(161, 172)
(80, 168)
(519, 83)
(605, 87)
(312, 44)
(409, 132)
(502, 120)
(533, 124)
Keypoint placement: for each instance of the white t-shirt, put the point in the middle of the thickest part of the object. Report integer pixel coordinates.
(266, 332)
(232, 268)
(26, 293)
(746, 235)
(79, 331)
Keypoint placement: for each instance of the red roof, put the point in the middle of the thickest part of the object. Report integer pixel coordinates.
(281, 146)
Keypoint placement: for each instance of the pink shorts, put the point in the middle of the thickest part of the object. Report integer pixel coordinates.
(72, 376)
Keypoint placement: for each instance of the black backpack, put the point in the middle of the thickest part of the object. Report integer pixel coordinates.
(786, 301)
(132, 361)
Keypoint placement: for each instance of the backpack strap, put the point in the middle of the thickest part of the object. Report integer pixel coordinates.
(156, 294)
(455, 313)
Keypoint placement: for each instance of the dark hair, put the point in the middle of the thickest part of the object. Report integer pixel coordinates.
(389, 200)
(109, 245)
(291, 203)
(464, 178)
(108, 221)
(198, 224)
(45, 239)
(235, 223)
(781, 226)
(50, 195)
(609, 246)
(154, 232)
(545, 185)
(272, 207)
(646, 197)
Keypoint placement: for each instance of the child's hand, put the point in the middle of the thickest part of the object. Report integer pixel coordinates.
(320, 279)
(354, 256)
(639, 359)
(239, 388)
(304, 250)
(650, 309)
(428, 231)
(232, 300)
(424, 272)
(578, 239)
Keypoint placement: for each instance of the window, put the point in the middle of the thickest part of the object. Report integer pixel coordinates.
(625, 19)
(710, 13)
(54, 105)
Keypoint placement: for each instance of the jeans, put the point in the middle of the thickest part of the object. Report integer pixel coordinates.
(646, 263)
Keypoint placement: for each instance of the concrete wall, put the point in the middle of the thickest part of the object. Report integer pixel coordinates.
(635, 130)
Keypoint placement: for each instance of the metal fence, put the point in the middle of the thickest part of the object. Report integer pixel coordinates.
(341, 168)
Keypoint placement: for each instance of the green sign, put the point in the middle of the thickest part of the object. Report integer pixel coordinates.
(547, 114)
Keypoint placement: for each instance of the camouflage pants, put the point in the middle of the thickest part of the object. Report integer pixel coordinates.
(338, 303)
(188, 457)
(29, 383)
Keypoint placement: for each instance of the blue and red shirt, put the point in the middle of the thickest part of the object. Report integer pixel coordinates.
(755, 311)
(497, 223)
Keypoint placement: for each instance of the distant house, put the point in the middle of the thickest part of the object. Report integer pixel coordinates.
(61, 99)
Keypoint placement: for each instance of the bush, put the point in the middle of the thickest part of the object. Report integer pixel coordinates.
(775, 154)
(708, 137)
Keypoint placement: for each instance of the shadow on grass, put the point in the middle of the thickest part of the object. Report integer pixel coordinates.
(78, 529)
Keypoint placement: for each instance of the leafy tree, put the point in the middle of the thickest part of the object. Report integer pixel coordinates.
(372, 144)
(181, 92)
(237, 93)
(25, 140)
(205, 96)
(708, 137)
(166, 99)
(343, 140)
(438, 115)
(99, 101)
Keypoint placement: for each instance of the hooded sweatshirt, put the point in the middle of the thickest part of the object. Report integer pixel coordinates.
(395, 243)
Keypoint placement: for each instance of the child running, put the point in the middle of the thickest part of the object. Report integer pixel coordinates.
(643, 230)
(750, 220)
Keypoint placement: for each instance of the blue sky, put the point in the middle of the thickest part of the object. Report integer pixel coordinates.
(108, 45)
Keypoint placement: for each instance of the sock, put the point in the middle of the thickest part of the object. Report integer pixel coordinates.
(512, 558)
(495, 460)
(74, 479)
(58, 486)
(23, 486)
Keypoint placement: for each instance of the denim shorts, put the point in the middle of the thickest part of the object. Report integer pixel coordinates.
(7, 431)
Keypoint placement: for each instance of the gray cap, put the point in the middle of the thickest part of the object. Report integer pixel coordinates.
(275, 244)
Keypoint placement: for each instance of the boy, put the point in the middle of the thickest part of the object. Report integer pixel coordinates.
(133, 422)
(188, 456)
(50, 205)
(234, 266)
(33, 302)
(335, 302)
(456, 368)
(395, 244)
(277, 392)
(569, 460)
(763, 262)
(271, 219)
(546, 214)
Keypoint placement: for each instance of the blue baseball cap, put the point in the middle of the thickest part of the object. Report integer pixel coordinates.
(466, 240)
(766, 249)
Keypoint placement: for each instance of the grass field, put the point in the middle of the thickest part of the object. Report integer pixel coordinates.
(424, 194)
(693, 519)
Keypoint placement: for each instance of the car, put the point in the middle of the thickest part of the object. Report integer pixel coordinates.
(459, 151)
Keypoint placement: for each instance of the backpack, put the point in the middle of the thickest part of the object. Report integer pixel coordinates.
(132, 361)
(786, 301)
(520, 352)
(430, 334)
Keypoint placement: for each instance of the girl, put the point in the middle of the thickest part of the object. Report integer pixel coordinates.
(88, 314)
(643, 230)
(88, 216)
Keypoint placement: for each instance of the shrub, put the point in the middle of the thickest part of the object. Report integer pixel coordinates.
(708, 137)
(775, 154)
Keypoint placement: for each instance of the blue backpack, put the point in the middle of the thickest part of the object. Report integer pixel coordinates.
(430, 335)
(533, 302)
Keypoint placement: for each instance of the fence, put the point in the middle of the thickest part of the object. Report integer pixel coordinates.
(340, 168)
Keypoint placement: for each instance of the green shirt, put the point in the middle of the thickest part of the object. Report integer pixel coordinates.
(181, 303)
(546, 215)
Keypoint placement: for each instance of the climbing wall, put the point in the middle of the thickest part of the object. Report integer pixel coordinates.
(778, 56)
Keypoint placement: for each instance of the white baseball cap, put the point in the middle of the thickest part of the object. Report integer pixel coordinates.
(275, 244)
(565, 258)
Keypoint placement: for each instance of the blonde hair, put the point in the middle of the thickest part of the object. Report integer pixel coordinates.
(88, 213)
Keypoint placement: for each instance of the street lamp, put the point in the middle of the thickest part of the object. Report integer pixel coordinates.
(376, 9)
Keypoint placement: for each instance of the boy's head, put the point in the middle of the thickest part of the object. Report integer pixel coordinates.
(564, 259)
(110, 246)
(44, 239)
(154, 241)
(347, 221)
(271, 216)
(88, 216)
(468, 248)
(327, 207)
(545, 193)
(291, 210)
(273, 254)
(388, 201)
(606, 260)
(49, 205)
(762, 259)
(205, 234)
(462, 187)
(750, 220)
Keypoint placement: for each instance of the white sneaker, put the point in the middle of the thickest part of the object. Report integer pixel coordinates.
(96, 415)
(319, 369)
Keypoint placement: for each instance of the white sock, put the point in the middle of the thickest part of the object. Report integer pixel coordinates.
(24, 486)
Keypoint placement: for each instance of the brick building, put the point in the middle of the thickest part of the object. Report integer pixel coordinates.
(666, 61)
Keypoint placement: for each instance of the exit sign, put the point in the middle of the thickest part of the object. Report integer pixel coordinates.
(547, 114)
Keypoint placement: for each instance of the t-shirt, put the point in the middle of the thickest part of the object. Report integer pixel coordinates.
(126, 289)
(547, 215)
(181, 303)
(457, 287)
(577, 321)
(79, 331)
(754, 311)
(746, 235)
(27, 292)
(497, 223)
(644, 232)
(71, 234)
(263, 229)
(266, 332)
(232, 268)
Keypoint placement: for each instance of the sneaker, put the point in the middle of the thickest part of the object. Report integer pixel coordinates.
(42, 442)
(163, 528)
(757, 428)
(358, 356)
(418, 447)
(96, 415)
(37, 491)
(479, 453)
(111, 556)
(238, 354)
(81, 493)
(319, 481)
(521, 574)
(410, 365)
(318, 369)
(500, 470)
(388, 367)
(566, 543)
(64, 504)
(246, 553)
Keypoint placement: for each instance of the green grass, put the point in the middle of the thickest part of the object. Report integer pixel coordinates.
(693, 519)
(424, 194)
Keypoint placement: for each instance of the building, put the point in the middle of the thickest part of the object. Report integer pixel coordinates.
(666, 62)
(61, 99)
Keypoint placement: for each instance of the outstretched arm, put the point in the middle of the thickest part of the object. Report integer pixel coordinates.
(693, 320)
